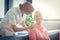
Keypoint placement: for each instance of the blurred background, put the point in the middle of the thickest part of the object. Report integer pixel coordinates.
(50, 10)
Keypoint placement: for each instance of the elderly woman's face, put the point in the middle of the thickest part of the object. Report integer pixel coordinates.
(38, 17)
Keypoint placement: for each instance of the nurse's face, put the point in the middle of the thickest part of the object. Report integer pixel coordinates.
(27, 13)
(27, 8)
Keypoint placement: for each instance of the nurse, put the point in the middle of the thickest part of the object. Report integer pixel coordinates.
(13, 17)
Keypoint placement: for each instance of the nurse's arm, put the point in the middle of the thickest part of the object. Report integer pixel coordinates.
(24, 25)
(19, 29)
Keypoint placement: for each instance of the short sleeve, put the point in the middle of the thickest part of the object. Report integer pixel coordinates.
(10, 17)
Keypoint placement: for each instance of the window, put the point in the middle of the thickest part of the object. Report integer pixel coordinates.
(50, 9)
(17, 2)
(1, 8)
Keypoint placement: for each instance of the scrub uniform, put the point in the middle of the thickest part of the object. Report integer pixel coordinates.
(13, 16)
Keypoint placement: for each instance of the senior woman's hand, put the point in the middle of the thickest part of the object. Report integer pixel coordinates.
(24, 25)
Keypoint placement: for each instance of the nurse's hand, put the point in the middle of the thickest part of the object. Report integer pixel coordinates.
(32, 26)
(24, 25)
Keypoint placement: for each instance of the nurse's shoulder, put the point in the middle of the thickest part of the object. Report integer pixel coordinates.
(14, 10)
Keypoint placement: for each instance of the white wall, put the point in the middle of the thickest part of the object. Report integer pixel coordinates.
(50, 9)
(1, 8)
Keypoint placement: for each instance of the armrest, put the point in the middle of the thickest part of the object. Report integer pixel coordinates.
(59, 35)
(54, 35)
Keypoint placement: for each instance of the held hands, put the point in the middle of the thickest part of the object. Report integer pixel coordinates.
(24, 25)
